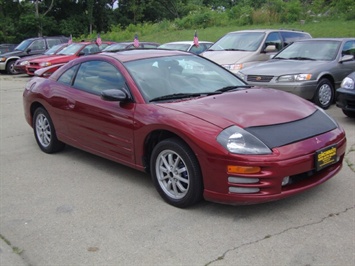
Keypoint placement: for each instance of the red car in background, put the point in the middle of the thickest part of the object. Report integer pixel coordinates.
(20, 64)
(71, 52)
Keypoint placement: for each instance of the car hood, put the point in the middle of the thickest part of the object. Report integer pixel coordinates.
(246, 108)
(227, 57)
(13, 53)
(283, 67)
(55, 59)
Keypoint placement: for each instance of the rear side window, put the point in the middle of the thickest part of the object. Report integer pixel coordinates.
(290, 37)
(52, 42)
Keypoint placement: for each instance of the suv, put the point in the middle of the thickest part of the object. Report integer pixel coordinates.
(32, 46)
(240, 49)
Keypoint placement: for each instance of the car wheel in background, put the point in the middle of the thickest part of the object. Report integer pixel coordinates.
(10, 67)
(176, 173)
(324, 95)
(349, 113)
(45, 133)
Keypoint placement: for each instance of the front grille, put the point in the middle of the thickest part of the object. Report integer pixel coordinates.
(259, 78)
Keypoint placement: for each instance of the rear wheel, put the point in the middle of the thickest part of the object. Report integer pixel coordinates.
(324, 96)
(45, 133)
(176, 173)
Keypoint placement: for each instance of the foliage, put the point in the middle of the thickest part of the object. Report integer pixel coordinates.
(83, 19)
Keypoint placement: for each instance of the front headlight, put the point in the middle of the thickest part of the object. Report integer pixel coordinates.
(23, 63)
(237, 140)
(347, 83)
(2, 59)
(293, 78)
(233, 67)
(45, 64)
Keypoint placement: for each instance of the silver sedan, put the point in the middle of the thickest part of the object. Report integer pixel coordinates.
(311, 68)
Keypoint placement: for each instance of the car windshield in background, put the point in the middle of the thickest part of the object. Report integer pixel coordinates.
(175, 46)
(115, 47)
(71, 49)
(239, 41)
(188, 76)
(314, 50)
(53, 49)
(23, 45)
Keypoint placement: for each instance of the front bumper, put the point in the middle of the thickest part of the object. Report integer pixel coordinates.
(3, 66)
(268, 185)
(305, 89)
(345, 99)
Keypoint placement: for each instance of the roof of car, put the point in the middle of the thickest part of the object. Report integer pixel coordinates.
(325, 39)
(267, 30)
(134, 54)
(186, 42)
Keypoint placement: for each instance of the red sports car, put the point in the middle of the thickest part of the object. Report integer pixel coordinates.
(69, 53)
(200, 131)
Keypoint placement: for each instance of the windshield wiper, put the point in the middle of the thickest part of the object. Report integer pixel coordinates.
(281, 58)
(302, 58)
(176, 96)
(230, 88)
(233, 49)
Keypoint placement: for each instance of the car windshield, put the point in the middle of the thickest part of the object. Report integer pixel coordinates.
(71, 49)
(23, 45)
(323, 50)
(115, 47)
(183, 76)
(239, 41)
(53, 50)
(175, 46)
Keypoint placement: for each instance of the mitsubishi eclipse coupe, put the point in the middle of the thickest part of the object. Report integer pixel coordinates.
(196, 128)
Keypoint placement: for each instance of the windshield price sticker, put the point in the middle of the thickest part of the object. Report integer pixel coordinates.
(325, 157)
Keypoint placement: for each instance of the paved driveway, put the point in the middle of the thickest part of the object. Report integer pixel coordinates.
(74, 208)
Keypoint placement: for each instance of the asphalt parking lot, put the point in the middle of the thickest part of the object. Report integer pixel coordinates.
(74, 208)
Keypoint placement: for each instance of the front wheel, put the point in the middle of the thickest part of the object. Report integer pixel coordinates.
(10, 67)
(324, 96)
(45, 133)
(176, 173)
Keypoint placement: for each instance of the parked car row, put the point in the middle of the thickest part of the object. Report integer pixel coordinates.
(287, 60)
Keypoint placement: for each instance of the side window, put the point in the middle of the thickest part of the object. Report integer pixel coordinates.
(96, 76)
(274, 39)
(349, 48)
(52, 42)
(290, 37)
(91, 49)
(67, 77)
(38, 45)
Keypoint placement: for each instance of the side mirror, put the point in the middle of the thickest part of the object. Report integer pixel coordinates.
(347, 57)
(112, 95)
(270, 48)
(28, 50)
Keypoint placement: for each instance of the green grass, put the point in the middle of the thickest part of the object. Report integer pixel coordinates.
(156, 33)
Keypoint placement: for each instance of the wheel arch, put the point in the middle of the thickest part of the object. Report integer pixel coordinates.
(153, 139)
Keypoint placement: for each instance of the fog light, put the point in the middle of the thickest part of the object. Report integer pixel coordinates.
(242, 180)
(244, 190)
(285, 181)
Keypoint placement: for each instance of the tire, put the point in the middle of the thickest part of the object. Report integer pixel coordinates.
(349, 113)
(324, 96)
(176, 173)
(45, 133)
(10, 67)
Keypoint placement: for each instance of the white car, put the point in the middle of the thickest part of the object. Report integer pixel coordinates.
(187, 46)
